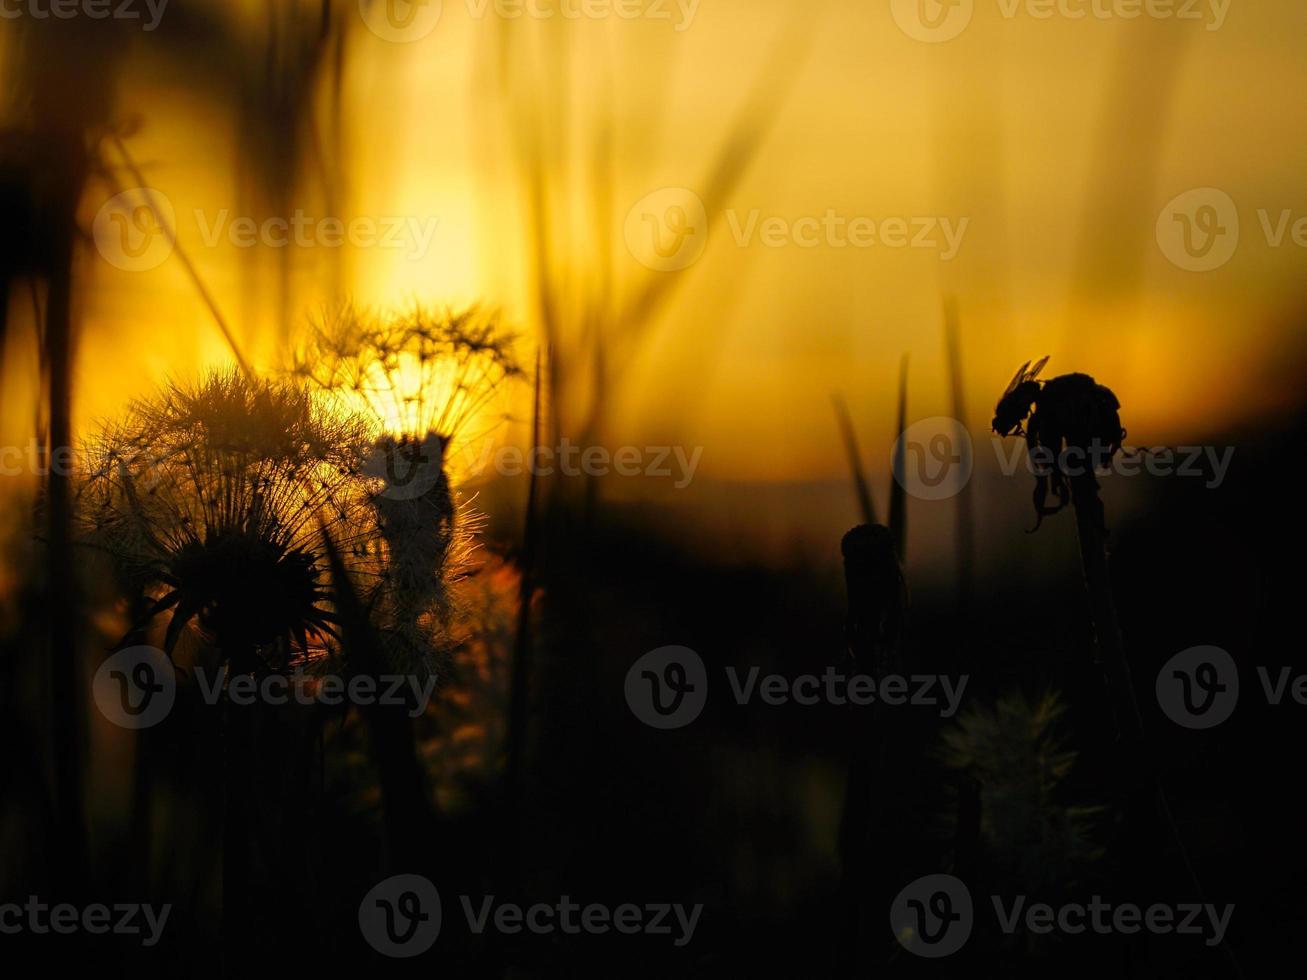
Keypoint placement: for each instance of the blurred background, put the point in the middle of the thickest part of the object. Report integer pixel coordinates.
(529, 140)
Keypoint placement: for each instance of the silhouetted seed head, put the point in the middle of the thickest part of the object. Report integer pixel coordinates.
(213, 498)
(417, 372)
(428, 381)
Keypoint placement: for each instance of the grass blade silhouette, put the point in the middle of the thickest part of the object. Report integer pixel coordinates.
(861, 489)
(898, 497)
(966, 526)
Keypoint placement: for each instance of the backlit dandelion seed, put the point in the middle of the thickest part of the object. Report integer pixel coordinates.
(420, 373)
(428, 381)
(213, 499)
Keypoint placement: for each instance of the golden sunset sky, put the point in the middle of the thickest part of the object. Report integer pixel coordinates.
(1049, 145)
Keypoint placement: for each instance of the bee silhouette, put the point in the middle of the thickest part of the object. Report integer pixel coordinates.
(1072, 428)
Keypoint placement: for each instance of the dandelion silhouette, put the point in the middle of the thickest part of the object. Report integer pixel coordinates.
(213, 498)
(1074, 415)
(1070, 415)
(420, 373)
(1072, 426)
(428, 381)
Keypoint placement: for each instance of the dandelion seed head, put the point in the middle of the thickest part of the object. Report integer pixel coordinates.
(212, 499)
(418, 373)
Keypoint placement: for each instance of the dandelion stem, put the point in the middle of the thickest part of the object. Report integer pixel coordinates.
(1093, 557)
(62, 608)
(185, 260)
(519, 709)
(1145, 783)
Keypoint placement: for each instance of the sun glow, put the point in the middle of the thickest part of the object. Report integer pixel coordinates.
(415, 374)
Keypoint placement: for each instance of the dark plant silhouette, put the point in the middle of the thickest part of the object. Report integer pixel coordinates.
(427, 382)
(874, 632)
(1072, 427)
(211, 497)
(1069, 414)
(214, 498)
(1032, 837)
